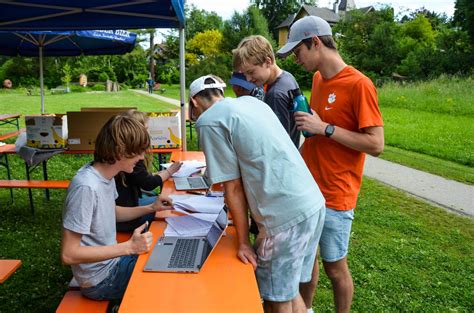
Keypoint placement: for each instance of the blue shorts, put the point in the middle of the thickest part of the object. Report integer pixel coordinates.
(334, 243)
(113, 286)
(286, 259)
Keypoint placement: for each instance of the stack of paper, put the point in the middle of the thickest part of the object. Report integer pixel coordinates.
(187, 226)
(188, 168)
(198, 204)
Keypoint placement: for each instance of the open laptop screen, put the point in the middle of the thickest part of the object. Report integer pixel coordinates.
(218, 227)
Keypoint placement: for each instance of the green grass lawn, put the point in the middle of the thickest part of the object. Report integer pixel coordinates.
(19, 102)
(405, 255)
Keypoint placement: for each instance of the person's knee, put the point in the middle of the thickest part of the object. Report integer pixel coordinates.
(337, 270)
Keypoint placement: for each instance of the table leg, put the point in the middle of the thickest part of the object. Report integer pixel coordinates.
(30, 194)
(45, 176)
(7, 166)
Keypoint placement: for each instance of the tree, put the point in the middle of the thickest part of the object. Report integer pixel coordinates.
(206, 44)
(250, 22)
(198, 21)
(276, 11)
(369, 41)
(464, 16)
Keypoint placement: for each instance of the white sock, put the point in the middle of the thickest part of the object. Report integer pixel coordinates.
(310, 310)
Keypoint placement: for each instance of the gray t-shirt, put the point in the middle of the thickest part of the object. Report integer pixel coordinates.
(242, 138)
(89, 210)
(280, 102)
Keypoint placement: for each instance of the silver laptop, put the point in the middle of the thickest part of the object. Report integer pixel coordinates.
(186, 254)
(191, 183)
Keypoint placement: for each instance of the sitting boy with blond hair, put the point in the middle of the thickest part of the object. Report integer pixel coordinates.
(101, 266)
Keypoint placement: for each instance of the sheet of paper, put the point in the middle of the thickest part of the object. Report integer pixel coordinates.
(198, 204)
(188, 168)
(188, 226)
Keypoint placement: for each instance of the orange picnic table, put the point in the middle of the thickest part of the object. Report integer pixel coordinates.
(224, 284)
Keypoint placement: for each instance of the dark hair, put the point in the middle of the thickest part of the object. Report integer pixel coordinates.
(122, 136)
(328, 42)
(208, 93)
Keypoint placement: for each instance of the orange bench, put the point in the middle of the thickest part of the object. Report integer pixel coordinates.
(73, 301)
(8, 267)
(11, 134)
(34, 184)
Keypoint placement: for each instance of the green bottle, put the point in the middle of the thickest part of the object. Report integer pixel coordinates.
(300, 104)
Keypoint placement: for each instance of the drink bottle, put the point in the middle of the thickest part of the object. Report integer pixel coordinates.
(300, 104)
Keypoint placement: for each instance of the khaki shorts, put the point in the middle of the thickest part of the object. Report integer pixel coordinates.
(286, 259)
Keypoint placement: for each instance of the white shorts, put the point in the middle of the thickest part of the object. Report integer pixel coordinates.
(286, 259)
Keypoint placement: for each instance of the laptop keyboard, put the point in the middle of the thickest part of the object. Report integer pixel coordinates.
(184, 253)
(196, 183)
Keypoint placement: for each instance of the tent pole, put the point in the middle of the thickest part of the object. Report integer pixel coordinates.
(41, 78)
(182, 86)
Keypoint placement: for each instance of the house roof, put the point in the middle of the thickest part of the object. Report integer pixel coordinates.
(288, 21)
(326, 14)
(365, 9)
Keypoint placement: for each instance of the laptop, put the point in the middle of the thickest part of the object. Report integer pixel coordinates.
(186, 254)
(191, 183)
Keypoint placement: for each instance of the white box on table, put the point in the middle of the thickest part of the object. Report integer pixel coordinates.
(165, 129)
(46, 131)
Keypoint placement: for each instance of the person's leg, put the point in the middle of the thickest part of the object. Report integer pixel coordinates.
(342, 285)
(113, 287)
(308, 290)
(334, 246)
(285, 260)
(310, 276)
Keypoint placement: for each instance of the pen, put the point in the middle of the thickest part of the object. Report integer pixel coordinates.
(147, 226)
(196, 193)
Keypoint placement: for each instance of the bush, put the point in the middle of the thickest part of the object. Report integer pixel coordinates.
(103, 77)
(77, 88)
(98, 87)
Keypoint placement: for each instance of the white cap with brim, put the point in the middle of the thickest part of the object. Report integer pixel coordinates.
(304, 28)
(198, 85)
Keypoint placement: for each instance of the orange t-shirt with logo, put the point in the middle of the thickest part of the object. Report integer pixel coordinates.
(347, 100)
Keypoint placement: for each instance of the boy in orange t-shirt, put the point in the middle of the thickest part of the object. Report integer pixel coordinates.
(347, 124)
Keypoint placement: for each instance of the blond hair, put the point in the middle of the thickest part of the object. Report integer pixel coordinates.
(138, 115)
(252, 50)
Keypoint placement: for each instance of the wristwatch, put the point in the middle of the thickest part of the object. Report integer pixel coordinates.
(329, 130)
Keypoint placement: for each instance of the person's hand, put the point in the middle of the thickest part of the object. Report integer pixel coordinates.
(162, 203)
(174, 167)
(247, 255)
(140, 243)
(310, 123)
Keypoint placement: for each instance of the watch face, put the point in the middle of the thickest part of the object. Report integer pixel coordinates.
(329, 130)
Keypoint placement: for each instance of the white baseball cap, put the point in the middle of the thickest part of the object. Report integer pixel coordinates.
(198, 85)
(304, 28)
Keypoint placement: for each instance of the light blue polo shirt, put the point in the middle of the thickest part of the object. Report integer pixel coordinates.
(243, 138)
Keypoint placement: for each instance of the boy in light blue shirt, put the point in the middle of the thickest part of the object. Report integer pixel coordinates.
(248, 150)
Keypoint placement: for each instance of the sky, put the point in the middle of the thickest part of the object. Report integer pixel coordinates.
(226, 8)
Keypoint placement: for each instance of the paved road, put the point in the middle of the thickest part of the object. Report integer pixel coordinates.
(165, 99)
(446, 193)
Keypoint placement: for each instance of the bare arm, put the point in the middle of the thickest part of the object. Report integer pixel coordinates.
(370, 140)
(167, 173)
(124, 214)
(237, 203)
(72, 252)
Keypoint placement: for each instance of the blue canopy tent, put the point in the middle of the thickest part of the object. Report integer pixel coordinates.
(64, 43)
(35, 15)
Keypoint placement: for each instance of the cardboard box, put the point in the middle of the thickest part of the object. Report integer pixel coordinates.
(84, 126)
(46, 131)
(165, 129)
(111, 109)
